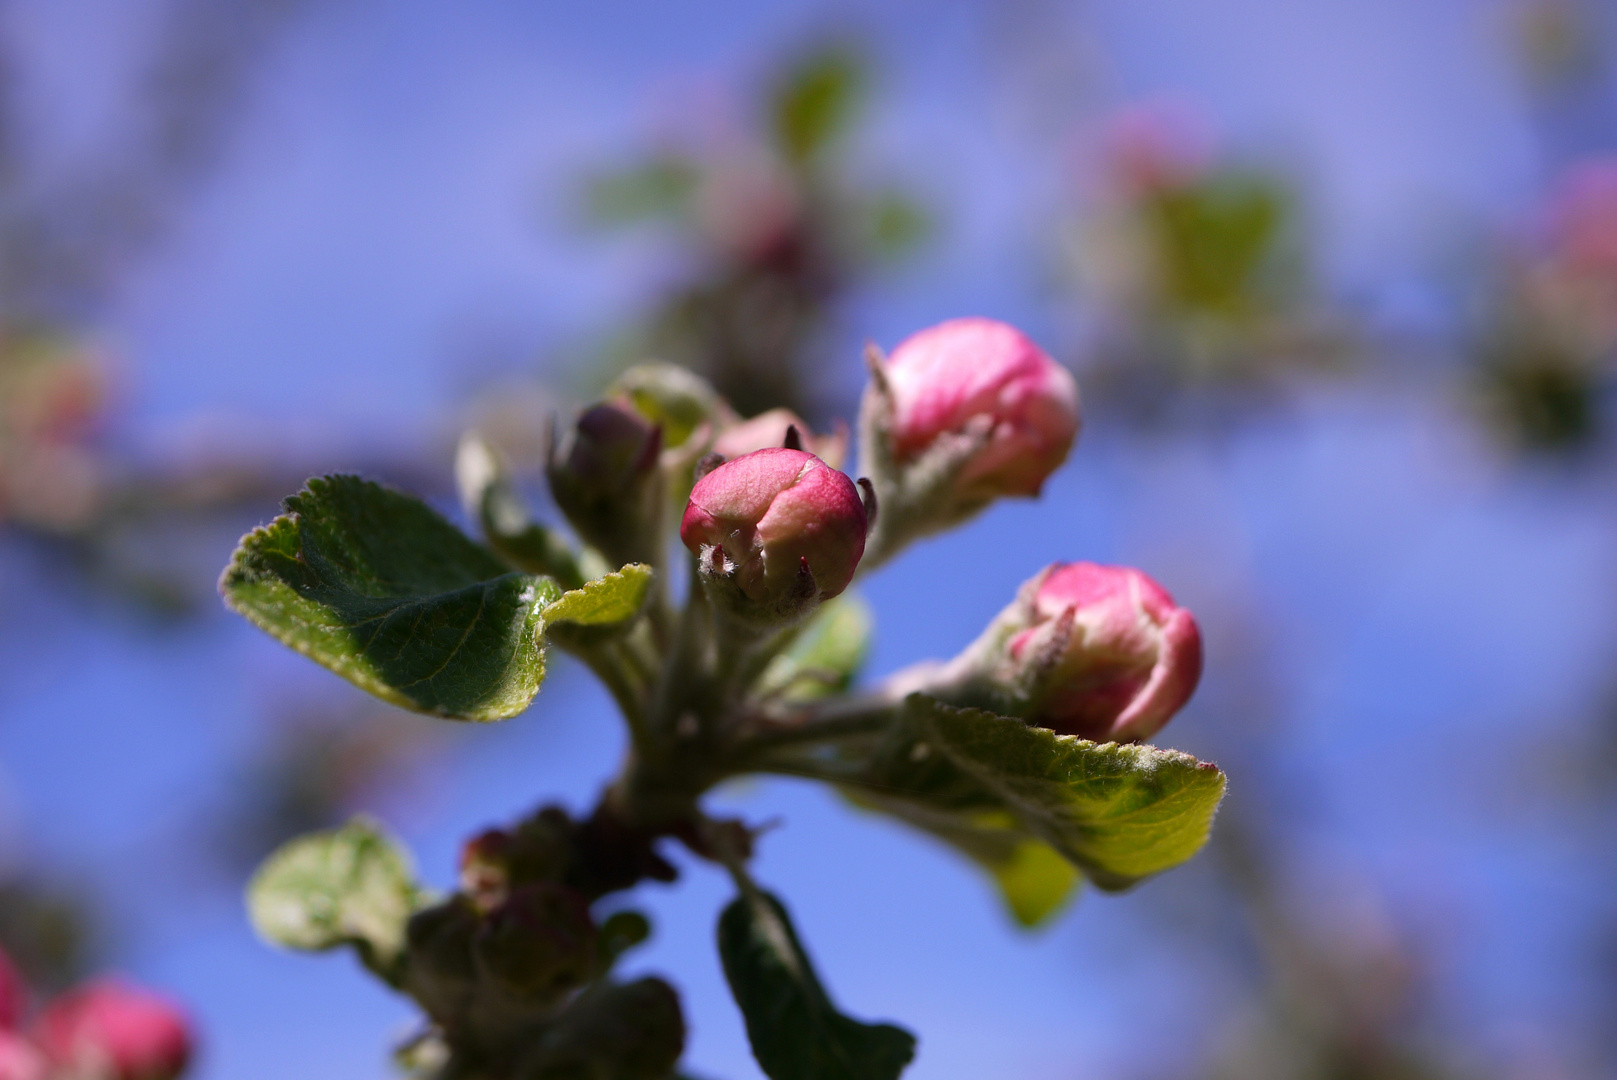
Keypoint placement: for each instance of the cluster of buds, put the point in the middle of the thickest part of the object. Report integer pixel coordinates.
(500, 964)
(1101, 652)
(102, 1030)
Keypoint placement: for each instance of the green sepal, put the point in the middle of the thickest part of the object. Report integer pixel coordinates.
(795, 1030)
(351, 886)
(1119, 812)
(381, 589)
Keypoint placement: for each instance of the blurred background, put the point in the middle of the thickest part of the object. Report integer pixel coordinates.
(1339, 280)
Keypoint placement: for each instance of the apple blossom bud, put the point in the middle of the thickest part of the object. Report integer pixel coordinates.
(604, 477)
(20, 1059)
(109, 1029)
(772, 428)
(540, 943)
(1098, 651)
(963, 413)
(776, 532)
(13, 995)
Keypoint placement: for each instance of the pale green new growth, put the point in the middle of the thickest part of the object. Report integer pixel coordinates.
(609, 602)
(381, 589)
(349, 886)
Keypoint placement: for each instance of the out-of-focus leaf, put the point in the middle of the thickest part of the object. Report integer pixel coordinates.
(1120, 812)
(795, 1030)
(677, 400)
(491, 500)
(826, 656)
(1217, 237)
(661, 188)
(898, 224)
(378, 587)
(816, 101)
(349, 886)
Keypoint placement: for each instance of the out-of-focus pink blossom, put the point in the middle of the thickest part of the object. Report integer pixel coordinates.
(1156, 145)
(13, 994)
(20, 1059)
(985, 380)
(764, 517)
(1114, 657)
(768, 429)
(110, 1029)
(1583, 215)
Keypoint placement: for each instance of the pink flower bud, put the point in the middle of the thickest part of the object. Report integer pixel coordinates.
(781, 525)
(20, 1059)
(986, 386)
(110, 1029)
(13, 996)
(1111, 657)
(769, 429)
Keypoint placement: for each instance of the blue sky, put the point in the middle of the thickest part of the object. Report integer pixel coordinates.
(399, 192)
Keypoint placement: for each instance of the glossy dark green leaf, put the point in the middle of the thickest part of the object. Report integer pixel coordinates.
(348, 886)
(1119, 812)
(795, 1030)
(381, 589)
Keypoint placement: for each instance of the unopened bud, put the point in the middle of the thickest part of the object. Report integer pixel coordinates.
(1101, 652)
(773, 428)
(112, 1030)
(632, 1031)
(775, 532)
(604, 477)
(963, 413)
(441, 972)
(540, 943)
(495, 861)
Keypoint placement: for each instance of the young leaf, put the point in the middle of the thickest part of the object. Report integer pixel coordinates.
(599, 609)
(378, 587)
(1120, 812)
(795, 1030)
(348, 886)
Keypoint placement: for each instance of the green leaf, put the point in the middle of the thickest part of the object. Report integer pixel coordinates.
(826, 655)
(1120, 812)
(601, 608)
(795, 1030)
(348, 886)
(661, 188)
(816, 101)
(378, 587)
(491, 499)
